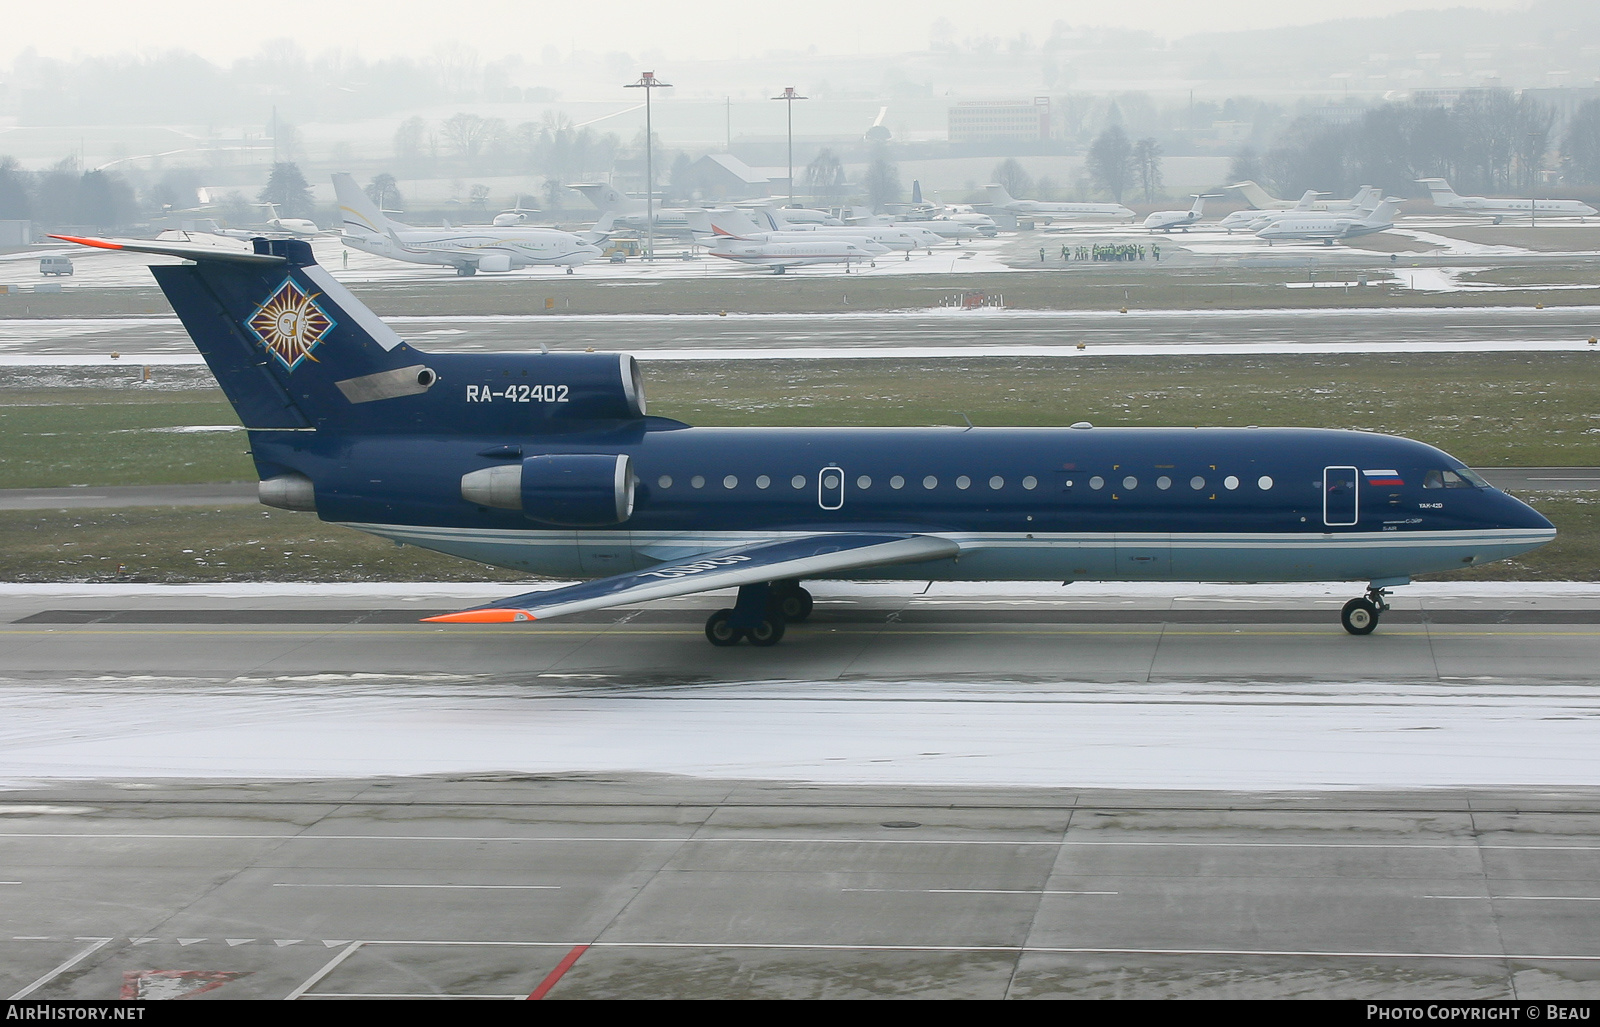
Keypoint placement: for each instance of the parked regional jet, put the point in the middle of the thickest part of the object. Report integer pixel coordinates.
(1330, 227)
(1167, 220)
(548, 463)
(468, 249)
(1002, 200)
(1501, 208)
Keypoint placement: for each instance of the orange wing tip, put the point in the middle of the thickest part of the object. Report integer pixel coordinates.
(480, 617)
(104, 244)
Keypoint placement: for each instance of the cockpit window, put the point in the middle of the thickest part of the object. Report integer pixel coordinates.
(1462, 478)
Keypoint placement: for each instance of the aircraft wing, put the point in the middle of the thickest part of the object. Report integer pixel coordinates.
(189, 251)
(808, 556)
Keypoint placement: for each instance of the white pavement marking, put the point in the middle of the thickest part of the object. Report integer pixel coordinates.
(1521, 898)
(982, 891)
(770, 840)
(466, 887)
(99, 943)
(328, 968)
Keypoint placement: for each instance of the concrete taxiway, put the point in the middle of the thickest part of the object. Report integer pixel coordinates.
(26, 341)
(298, 791)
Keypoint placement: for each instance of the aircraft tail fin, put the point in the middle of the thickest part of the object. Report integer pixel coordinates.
(607, 198)
(1256, 196)
(1383, 213)
(1440, 190)
(358, 214)
(292, 348)
(916, 191)
(998, 195)
(735, 223)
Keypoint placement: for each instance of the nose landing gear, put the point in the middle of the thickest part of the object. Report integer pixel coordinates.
(1360, 615)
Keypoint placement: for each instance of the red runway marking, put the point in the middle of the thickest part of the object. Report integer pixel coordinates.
(555, 975)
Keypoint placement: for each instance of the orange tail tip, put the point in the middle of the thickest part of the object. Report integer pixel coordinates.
(480, 617)
(104, 244)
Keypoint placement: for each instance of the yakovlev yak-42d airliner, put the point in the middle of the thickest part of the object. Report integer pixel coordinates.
(548, 463)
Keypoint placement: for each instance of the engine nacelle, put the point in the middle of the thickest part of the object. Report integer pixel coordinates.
(571, 490)
(494, 262)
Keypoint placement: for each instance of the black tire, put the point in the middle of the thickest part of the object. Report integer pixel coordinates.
(794, 605)
(720, 631)
(1359, 616)
(768, 632)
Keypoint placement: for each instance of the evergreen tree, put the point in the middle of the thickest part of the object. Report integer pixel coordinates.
(287, 188)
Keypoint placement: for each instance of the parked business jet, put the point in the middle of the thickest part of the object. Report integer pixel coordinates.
(1501, 208)
(1262, 200)
(1331, 227)
(894, 236)
(731, 235)
(618, 209)
(548, 463)
(1363, 203)
(1167, 220)
(1002, 200)
(301, 227)
(468, 249)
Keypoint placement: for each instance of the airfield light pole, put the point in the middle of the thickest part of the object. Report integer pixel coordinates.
(648, 81)
(790, 96)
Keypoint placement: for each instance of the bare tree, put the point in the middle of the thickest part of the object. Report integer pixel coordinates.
(384, 192)
(1580, 152)
(1531, 139)
(1147, 162)
(1010, 175)
(1110, 161)
(824, 176)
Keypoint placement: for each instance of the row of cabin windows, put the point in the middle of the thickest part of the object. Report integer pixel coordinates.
(931, 482)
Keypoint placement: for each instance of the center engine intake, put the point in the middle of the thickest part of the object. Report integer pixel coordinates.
(569, 490)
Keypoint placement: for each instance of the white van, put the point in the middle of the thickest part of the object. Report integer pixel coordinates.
(55, 265)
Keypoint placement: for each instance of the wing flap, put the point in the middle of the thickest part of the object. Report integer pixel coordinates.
(810, 556)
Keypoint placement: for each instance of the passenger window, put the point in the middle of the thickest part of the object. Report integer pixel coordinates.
(930, 482)
(798, 481)
(1163, 483)
(1097, 483)
(730, 482)
(963, 482)
(1130, 483)
(1030, 483)
(897, 482)
(1264, 482)
(1197, 483)
(665, 481)
(1230, 483)
(997, 483)
(863, 483)
(763, 481)
(698, 481)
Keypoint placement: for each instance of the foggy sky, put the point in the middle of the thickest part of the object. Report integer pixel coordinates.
(698, 29)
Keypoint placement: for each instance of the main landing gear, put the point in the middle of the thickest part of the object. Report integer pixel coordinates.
(760, 615)
(1360, 615)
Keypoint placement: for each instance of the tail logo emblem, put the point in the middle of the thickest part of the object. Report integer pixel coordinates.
(290, 324)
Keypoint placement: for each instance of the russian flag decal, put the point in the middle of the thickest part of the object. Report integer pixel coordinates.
(1385, 477)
